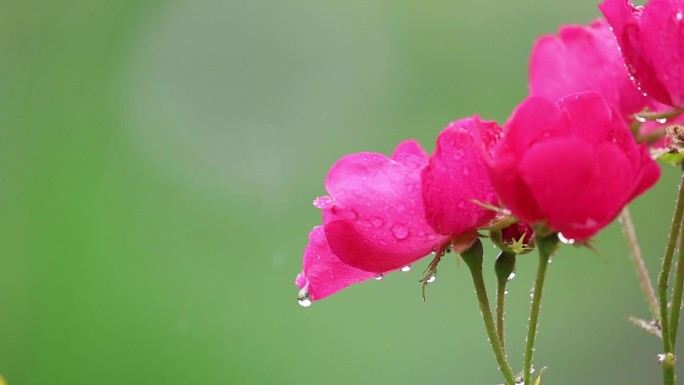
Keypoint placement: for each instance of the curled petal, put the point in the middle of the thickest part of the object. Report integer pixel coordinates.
(323, 272)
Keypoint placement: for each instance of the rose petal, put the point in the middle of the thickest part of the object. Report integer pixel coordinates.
(457, 176)
(409, 147)
(324, 273)
(584, 59)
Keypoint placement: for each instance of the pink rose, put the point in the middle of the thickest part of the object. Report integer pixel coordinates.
(572, 165)
(584, 58)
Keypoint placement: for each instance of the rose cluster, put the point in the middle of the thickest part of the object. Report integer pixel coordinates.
(568, 159)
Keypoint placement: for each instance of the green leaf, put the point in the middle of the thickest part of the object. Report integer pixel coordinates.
(537, 380)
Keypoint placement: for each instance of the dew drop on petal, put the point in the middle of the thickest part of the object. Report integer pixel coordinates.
(400, 232)
(377, 222)
(379, 277)
(406, 268)
(324, 202)
(567, 241)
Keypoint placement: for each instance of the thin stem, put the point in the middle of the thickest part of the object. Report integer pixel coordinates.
(504, 267)
(638, 260)
(664, 277)
(668, 362)
(673, 113)
(652, 136)
(473, 258)
(500, 318)
(676, 304)
(547, 246)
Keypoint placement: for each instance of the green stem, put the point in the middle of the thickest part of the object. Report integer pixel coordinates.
(664, 277)
(676, 304)
(673, 113)
(668, 369)
(473, 258)
(504, 267)
(638, 260)
(547, 246)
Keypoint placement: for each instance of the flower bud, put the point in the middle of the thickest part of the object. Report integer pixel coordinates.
(517, 238)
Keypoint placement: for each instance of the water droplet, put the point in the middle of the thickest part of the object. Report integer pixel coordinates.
(379, 277)
(505, 291)
(511, 276)
(377, 222)
(567, 241)
(324, 202)
(406, 268)
(400, 232)
(303, 298)
(638, 118)
(465, 171)
(679, 16)
(532, 293)
(458, 154)
(431, 237)
(662, 120)
(431, 278)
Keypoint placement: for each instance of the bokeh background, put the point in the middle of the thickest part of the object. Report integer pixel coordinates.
(158, 160)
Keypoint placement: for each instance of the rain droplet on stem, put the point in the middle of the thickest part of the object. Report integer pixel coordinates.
(431, 278)
(511, 276)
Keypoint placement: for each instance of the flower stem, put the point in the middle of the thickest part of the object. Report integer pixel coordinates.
(473, 258)
(673, 113)
(504, 267)
(668, 369)
(664, 277)
(638, 260)
(676, 304)
(547, 246)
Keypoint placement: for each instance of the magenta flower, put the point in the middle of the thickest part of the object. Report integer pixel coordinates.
(652, 42)
(572, 165)
(457, 177)
(373, 221)
(584, 58)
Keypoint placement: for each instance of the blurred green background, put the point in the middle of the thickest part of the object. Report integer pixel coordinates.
(157, 166)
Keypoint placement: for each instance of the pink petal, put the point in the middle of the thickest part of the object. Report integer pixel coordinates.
(591, 117)
(534, 120)
(409, 147)
(624, 18)
(584, 59)
(324, 274)
(377, 222)
(555, 181)
(457, 176)
(662, 41)
(648, 173)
